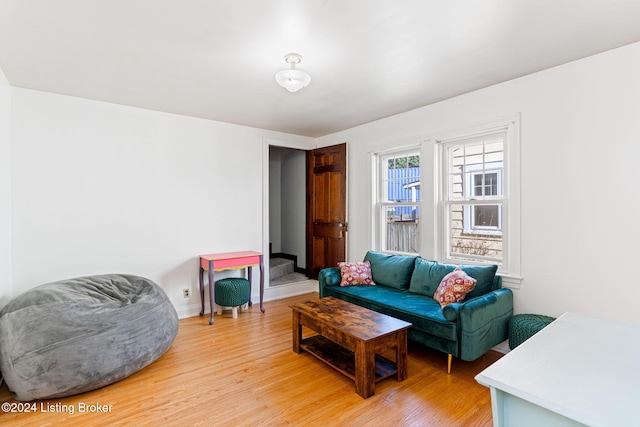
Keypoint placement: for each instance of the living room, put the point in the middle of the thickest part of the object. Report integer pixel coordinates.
(93, 187)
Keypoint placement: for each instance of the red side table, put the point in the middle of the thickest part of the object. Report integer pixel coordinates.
(229, 261)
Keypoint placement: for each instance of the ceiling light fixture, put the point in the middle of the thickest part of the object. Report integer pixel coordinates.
(293, 80)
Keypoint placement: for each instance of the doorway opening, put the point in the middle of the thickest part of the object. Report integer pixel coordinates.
(287, 216)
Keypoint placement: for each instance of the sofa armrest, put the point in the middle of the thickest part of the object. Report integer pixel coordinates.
(481, 310)
(450, 311)
(484, 322)
(328, 277)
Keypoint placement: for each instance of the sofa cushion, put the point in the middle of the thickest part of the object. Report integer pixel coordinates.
(454, 287)
(484, 274)
(425, 314)
(355, 273)
(428, 274)
(391, 270)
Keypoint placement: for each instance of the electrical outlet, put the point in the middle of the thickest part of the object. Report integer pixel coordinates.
(186, 292)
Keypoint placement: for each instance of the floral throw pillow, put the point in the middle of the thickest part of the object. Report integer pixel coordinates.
(454, 287)
(355, 273)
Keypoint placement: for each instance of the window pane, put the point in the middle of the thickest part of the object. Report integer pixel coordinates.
(401, 181)
(486, 217)
(478, 184)
(485, 184)
(456, 184)
(491, 184)
(480, 219)
(483, 242)
(402, 230)
(494, 149)
(475, 169)
(478, 188)
(399, 195)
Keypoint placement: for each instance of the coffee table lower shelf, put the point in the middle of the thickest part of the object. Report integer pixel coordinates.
(343, 360)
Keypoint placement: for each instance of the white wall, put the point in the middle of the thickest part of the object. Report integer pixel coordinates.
(104, 188)
(580, 142)
(294, 205)
(99, 187)
(275, 202)
(6, 291)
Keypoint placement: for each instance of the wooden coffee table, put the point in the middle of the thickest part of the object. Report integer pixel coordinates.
(349, 340)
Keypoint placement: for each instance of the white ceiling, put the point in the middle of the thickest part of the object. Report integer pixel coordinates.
(368, 59)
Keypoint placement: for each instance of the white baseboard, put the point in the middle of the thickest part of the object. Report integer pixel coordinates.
(191, 310)
(289, 290)
(503, 347)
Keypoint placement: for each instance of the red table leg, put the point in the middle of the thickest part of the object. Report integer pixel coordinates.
(201, 291)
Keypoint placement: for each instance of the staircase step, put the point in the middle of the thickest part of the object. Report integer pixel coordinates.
(289, 278)
(279, 267)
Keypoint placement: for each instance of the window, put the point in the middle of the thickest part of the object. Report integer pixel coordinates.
(473, 200)
(478, 200)
(397, 206)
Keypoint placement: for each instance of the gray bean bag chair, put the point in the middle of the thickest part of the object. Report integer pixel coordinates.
(76, 335)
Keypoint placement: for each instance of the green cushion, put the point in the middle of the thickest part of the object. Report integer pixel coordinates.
(391, 270)
(524, 326)
(232, 292)
(428, 275)
(484, 274)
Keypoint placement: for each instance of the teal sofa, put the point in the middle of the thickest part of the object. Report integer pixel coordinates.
(404, 288)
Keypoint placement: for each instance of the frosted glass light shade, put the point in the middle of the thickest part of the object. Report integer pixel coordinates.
(293, 80)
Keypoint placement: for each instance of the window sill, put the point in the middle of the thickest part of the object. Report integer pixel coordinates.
(511, 282)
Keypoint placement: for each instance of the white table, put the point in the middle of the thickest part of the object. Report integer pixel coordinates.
(578, 370)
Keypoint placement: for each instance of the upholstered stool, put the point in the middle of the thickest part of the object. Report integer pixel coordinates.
(524, 326)
(232, 292)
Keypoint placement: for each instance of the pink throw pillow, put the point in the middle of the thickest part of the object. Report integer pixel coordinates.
(454, 287)
(355, 273)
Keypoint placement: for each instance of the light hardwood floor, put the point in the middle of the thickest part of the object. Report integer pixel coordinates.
(243, 372)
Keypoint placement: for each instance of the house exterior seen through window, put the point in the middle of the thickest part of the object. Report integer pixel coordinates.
(474, 197)
(398, 201)
(469, 194)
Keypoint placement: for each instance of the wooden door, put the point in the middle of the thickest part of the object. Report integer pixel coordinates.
(326, 207)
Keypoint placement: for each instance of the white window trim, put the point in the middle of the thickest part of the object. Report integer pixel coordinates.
(511, 269)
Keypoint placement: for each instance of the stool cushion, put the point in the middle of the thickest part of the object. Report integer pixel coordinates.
(76, 335)
(524, 326)
(232, 292)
